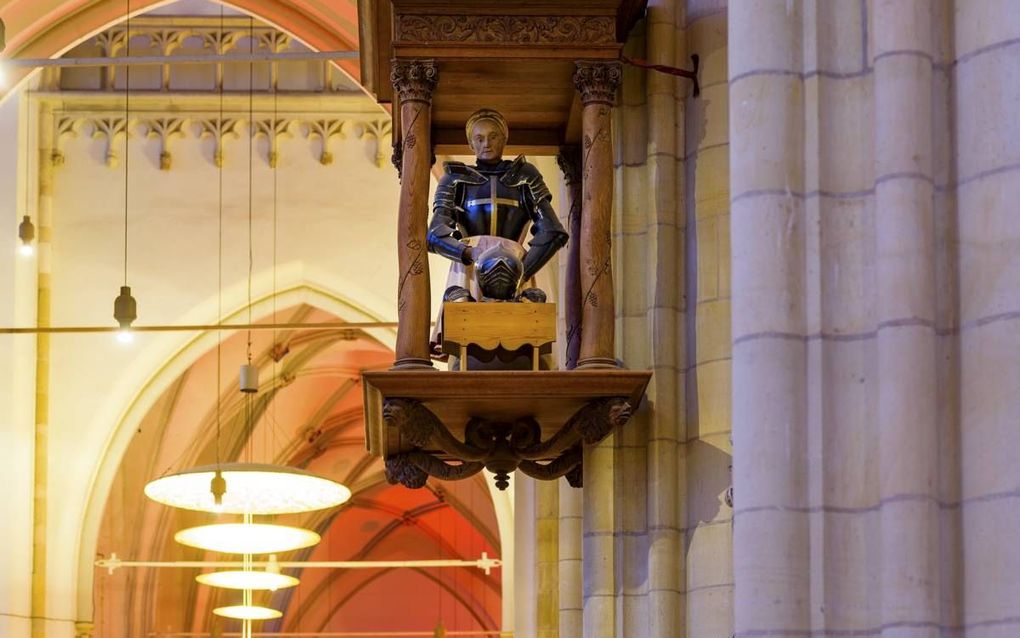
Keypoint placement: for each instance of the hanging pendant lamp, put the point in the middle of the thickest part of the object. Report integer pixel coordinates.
(247, 538)
(247, 488)
(243, 579)
(247, 612)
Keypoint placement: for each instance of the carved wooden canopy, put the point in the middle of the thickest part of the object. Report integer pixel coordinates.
(513, 55)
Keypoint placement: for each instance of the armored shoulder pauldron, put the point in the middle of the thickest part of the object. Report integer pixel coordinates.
(521, 173)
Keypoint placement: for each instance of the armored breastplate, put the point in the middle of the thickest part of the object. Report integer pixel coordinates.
(493, 208)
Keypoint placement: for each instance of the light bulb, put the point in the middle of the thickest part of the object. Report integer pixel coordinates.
(125, 336)
(26, 233)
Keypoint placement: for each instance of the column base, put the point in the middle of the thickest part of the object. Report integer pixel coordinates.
(596, 363)
(412, 363)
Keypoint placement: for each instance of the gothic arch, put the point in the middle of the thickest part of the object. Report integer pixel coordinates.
(49, 28)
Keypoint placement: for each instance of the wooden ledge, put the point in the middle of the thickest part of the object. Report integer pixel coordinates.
(551, 397)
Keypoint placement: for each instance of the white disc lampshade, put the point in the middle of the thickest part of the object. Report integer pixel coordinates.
(247, 538)
(251, 488)
(242, 579)
(247, 612)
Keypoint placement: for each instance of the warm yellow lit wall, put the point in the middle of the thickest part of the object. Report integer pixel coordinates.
(335, 236)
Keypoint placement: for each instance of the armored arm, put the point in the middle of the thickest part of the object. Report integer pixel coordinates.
(443, 235)
(548, 234)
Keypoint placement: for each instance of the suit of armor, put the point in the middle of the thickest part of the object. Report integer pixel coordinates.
(498, 199)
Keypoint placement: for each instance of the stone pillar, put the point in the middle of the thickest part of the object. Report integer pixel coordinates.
(42, 371)
(771, 546)
(599, 540)
(569, 160)
(547, 557)
(987, 171)
(597, 82)
(413, 82)
(904, 261)
(570, 576)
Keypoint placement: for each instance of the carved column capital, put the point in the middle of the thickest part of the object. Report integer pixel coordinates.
(597, 81)
(414, 80)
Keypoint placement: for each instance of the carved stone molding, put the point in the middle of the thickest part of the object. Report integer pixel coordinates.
(165, 129)
(376, 130)
(199, 124)
(219, 129)
(275, 41)
(489, 29)
(110, 129)
(414, 80)
(273, 129)
(221, 41)
(327, 130)
(64, 127)
(597, 81)
(500, 447)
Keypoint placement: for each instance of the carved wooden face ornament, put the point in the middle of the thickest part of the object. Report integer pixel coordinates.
(487, 140)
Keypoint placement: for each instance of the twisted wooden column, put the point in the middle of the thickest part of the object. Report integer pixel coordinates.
(569, 159)
(597, 82)
(413, 81)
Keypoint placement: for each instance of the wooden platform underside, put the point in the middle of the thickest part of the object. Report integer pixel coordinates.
(550, 397)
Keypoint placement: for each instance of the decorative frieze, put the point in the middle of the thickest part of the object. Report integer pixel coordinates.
(490, 29)
(110, 129)
(219, 128)
(273, 129)
(327, 130)
(64, 127)
(170, 36)
(377, 130)
(167, 128)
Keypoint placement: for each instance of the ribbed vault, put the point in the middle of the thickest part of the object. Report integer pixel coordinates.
(307, 413)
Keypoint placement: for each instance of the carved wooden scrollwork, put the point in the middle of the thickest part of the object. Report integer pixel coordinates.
(501, 447)
(412, 469)
(561, 466)
(487, 29)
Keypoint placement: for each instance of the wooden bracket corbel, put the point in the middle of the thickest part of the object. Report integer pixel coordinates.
(499, 446)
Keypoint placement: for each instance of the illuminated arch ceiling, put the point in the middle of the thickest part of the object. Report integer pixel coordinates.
(307, 413)
(48, 28)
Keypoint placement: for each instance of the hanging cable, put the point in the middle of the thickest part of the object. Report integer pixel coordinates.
(251, 166)
(219, 262)
(26, 230)
(125, 309)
